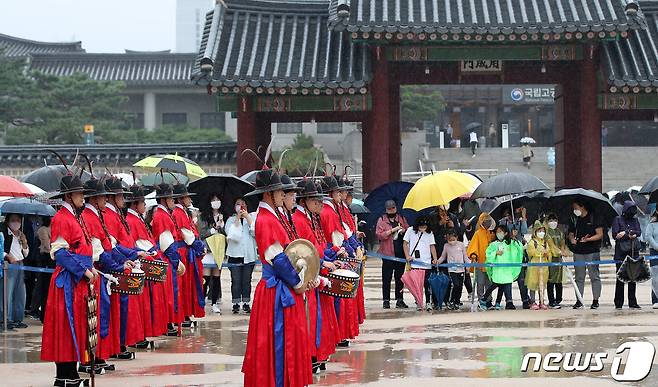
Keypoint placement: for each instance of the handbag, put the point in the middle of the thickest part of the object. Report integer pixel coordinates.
(634, 269)
(629, 246)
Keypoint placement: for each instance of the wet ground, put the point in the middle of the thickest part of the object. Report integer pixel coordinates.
(395, 347)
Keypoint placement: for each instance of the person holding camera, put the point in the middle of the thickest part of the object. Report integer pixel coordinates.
(626, 230)
(390, 233)
(241, 251)
(420, 252)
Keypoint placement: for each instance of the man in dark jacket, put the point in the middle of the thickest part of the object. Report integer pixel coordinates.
(626, 231)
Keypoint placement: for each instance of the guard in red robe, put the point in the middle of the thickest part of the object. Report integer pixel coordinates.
(352, 233)
(323, 332)
(108, 307)
(64, 337)
(277, 351)
(334, 229)
(165, 232)
(152, 299)
(124, 251)
(192, 250)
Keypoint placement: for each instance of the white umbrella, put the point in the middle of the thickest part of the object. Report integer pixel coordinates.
(35, 190)
(528, 140)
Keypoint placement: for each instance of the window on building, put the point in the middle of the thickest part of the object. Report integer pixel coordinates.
(174, 118)
(212, 121)
(330, 128)
(289, 127)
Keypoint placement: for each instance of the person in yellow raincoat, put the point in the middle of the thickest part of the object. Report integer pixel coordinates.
(536, 277)
(477, 252)
(558, 246)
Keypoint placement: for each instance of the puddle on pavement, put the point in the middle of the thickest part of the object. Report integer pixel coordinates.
(479, 352)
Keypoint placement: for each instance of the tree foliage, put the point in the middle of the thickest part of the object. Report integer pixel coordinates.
(418, 104)
(41, 109)
(300, 157)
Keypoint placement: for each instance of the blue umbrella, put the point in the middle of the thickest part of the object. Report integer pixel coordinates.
(396, 191)
(439, 284)
(25, 206)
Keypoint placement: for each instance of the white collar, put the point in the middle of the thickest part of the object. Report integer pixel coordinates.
(302, 209)
(266, 207)
(131, 211)
(92, 208)
(110, 207)
(160, 206)
(329, 202)
(68, 207)
(180, 206)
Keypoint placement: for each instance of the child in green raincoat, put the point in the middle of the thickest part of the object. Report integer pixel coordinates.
(504, 249)
(558, 247)
(536, 277)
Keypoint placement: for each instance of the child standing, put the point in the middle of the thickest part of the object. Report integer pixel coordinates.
(537, 276)
(558, 247)
(504, 249)
(454, 252)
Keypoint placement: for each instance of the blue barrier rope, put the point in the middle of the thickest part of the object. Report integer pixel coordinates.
(396, 259)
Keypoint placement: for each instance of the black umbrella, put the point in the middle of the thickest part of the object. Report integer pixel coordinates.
(358, 208)
(650, 186)
(560, 203)
(225, 185)
(250, 176)
(533, 203)
(510, 183)
(473, 126)
(47, 178)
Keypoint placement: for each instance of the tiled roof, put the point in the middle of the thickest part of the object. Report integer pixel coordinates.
(406, 19)
(18, 47)
(257, 46)
(632, 64)
(123, 154)
(133, 68)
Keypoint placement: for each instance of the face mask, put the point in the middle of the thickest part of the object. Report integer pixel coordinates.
(500, 236)
(215, 204)
(392, 215)
(194, 219)
(452, 242)
(577, 212)
(541, 235)
(238, 209)
(14, 226)
(552, 225)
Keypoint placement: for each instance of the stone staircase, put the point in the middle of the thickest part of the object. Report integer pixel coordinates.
(622, 166)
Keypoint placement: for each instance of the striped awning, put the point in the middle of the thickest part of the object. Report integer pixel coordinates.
(257, 46)
(582, 19)
(632, 64)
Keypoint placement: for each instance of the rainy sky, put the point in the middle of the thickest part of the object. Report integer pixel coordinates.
(102, 26)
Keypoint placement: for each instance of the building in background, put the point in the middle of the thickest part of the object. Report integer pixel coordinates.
(190, 19)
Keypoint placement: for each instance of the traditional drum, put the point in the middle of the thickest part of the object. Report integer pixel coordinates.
(344, 284)
(132, 283)
(155, 270)
(353, 264)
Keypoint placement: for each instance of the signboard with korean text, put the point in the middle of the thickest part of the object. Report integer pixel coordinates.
(528, 94)
(481, 66)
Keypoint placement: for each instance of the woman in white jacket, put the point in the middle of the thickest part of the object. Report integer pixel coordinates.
(241, 252)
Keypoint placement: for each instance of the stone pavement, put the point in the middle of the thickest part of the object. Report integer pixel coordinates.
(395, 348)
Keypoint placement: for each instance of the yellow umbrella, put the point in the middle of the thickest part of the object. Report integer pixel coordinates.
(439, 188)
(172, 163)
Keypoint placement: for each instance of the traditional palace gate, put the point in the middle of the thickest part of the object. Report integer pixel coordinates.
(342, 60)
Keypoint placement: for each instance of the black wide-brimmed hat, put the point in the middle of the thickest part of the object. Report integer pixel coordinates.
(329, 184)
(137, 192)
(288, 184)
(95, 187)
(267, 180)
(114, 186)
(180, 190)
(69, 184)
(164, 190)
(308, 190)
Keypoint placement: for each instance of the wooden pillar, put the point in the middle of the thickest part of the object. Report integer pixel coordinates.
(252, 133)
(578, 128)
(379, 149)
(395, 149)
